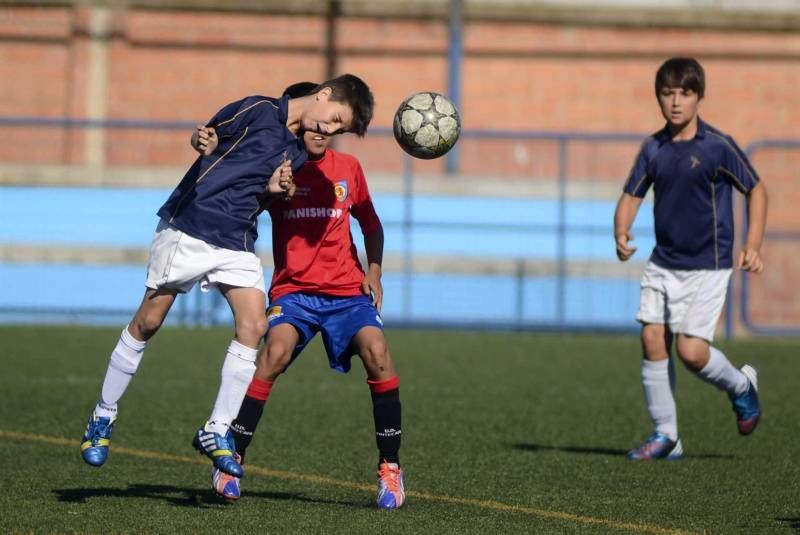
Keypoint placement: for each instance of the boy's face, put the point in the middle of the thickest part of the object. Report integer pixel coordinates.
(678, 105)
(316, 144)
(325, 116)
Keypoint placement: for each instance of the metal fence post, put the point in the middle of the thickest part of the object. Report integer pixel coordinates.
(519, 309)
(561, 233)
(408, 226)
(454, 59)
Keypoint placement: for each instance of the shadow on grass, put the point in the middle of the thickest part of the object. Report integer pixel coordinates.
(614, 452)
(185, 497)
(793, 523)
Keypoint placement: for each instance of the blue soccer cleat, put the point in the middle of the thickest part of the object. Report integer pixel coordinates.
(657, 446)
(746, 405)
(391, 493)
(221, 450)
(97, 439)
(225, 485)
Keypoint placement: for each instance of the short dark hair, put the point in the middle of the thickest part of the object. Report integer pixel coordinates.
(352, 90)
(685, 73)
(300, 89)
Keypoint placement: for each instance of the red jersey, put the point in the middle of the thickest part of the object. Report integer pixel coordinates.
(312, 245)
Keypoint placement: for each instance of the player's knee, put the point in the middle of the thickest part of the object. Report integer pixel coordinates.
(146, 324)
(251, 329)
(692, 353)
(691, 360)
(376, 357)
(375, 349)
(275, 356)
(261, 326)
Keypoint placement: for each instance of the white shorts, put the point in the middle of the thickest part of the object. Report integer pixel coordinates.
(688, 301)
(178, 261)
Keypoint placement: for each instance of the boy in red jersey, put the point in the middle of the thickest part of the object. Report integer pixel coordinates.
(319, 285)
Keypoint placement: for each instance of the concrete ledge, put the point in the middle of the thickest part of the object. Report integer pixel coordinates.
(36, 175)
(742, 15)
(393, 263)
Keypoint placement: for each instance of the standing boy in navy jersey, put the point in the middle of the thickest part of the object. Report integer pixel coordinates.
(207, 233)
(319, 286)
(693, 168)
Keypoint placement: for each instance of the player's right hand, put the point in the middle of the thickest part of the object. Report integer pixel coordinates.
(204, 140)
(624, 250)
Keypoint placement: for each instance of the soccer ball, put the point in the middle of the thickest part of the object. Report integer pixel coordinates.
(426, 125)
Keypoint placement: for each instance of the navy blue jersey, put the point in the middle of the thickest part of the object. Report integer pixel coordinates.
(693, 185)
(218, 199)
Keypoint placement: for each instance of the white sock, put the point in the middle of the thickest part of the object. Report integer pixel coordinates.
(658, 394)
(122, 367)
(673, 383)
(721, 373)
(673, 377)
(237, 372)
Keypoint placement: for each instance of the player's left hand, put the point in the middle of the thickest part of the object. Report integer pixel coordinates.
(289, 187)
(750, 260)
(282, 181)
(372, 286)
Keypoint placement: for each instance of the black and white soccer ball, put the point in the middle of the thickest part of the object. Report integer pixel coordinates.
(426, 125)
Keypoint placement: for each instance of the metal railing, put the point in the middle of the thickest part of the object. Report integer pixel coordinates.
(769, 236)
(194, 310)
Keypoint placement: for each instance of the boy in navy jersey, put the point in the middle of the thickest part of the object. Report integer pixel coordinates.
(207, 233)
(319, 286)
(693, 168)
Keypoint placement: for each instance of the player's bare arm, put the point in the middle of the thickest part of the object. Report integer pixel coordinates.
(750, 256)
(204, 140)
(372, 285)
(627, 208)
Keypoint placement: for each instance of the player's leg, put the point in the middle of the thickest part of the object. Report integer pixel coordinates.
(122, 366)
(273, 358)
(248, 306)
(694, 348)
(175, 265)
(658, 384)
(352, 325)
(658, 372)
(371, 345)
(284, 341)
(711, 365)
(128, 352)
(214, 439)
(658, 379)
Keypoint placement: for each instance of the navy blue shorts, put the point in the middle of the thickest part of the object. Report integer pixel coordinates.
(339, 319)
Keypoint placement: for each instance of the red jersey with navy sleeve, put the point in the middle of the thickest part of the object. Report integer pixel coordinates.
(312, 245)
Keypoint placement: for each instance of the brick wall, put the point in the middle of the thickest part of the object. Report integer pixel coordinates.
(183, 65)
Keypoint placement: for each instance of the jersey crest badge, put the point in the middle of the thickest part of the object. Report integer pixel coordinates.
(340, 190)
(695, 161)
